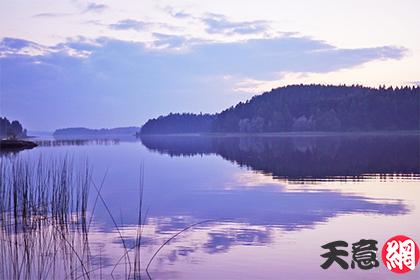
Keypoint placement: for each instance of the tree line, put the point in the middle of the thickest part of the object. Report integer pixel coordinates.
(305, 108)
(11, 129)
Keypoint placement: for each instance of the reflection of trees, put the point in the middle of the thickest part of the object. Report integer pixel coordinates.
(303, 157)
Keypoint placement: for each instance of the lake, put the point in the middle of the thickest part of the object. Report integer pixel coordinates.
(243, 207)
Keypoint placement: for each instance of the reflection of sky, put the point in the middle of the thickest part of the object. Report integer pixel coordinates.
(256, 222)
(195, 187)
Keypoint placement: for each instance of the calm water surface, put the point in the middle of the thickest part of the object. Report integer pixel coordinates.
(269, 202)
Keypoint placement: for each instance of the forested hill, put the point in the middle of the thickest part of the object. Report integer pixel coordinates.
(305, 108)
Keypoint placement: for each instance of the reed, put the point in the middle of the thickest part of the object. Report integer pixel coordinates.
(45, 219)
(43, 210)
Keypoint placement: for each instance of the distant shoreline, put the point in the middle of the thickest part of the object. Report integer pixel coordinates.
(291, 134)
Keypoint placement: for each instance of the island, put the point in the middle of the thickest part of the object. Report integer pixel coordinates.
(12, 134)
(89, 133)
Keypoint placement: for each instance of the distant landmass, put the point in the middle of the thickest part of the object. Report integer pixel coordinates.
(95, 133)
(305, 108)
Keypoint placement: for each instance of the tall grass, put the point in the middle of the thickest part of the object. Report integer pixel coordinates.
(43, 209)
(45, 223)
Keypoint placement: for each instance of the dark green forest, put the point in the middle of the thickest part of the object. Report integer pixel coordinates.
(305, 108)
(11, 129)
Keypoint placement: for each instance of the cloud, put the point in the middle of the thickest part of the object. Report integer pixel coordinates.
(137, 25)
(169, 41)
(128, 24)
(221, 242)
(51, 15)
(219, 24)
(89, 8)
(415, 83)
(181, 15)
(177, 14)
(174, 42)
(15, 44)
(107, 82)
(95, 8)
(19, 47)
(11, 46)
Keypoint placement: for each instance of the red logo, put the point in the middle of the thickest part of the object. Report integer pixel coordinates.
(400, 254)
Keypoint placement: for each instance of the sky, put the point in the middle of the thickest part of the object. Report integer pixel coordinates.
(97, 64)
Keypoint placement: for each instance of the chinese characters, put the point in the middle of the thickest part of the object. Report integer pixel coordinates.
(400, 254)
(363, 254)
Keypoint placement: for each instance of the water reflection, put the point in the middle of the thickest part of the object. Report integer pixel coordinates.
(222, 241)
(76, 142)
(259, 226)
(61, 142)
(304, 157)
(286, 210)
